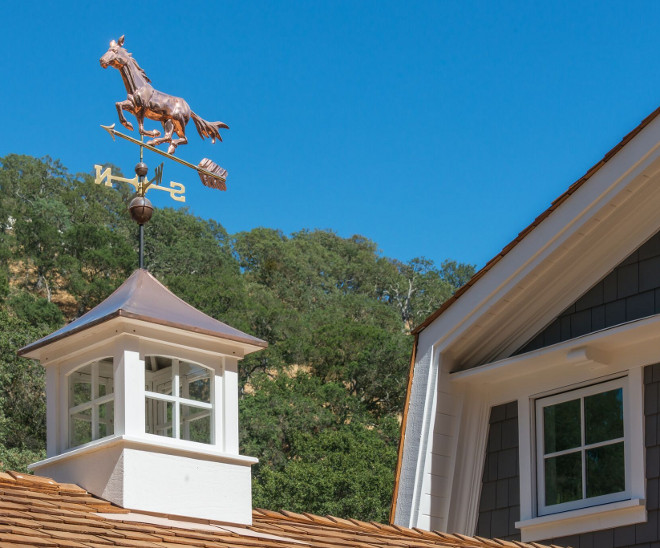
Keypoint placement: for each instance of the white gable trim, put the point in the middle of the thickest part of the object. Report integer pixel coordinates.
(614, 212)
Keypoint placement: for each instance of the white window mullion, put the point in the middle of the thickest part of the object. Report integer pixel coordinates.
(185, 394)
(583, 451)
(95, 407)
(176, 406)
(213, 381)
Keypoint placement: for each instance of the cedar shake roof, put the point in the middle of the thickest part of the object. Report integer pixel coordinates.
(143, 297)
(36, 511)
(571, 190)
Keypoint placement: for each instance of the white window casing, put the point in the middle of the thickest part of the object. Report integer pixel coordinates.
(580, 448)
(539, 522)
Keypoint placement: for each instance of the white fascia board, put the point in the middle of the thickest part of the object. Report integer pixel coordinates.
(89, 340)
(617, 348)
(594, 201)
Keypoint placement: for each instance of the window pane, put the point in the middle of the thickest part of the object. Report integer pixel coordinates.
(158, 418)
(80, 428)
(561, 426)
(105, 386)
(603, 415)
(563, 478)
(158, 374)
(195, 382)
(195, 424)
(81, 386)
(106, 419)
(605, 470)
(164, 387)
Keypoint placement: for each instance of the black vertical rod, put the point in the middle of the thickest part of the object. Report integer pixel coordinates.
(141, 190)
(141, 246)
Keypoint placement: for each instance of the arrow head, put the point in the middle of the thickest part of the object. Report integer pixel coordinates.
(110, 130)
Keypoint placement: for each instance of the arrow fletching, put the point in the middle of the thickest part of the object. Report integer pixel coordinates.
(219, 174)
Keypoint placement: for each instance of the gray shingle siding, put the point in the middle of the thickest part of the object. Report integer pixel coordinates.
(499, 505)
(631, 291)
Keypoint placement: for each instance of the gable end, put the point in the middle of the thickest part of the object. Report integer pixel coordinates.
(629, 292)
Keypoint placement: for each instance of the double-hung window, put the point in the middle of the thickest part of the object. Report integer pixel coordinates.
(581, 447)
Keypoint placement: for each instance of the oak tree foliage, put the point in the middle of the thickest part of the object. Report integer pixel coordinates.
(320, 407)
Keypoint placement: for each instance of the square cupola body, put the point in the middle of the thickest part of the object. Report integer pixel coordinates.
(142, 405)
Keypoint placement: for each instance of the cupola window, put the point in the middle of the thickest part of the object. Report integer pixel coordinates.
(179, 399)
(91, 402)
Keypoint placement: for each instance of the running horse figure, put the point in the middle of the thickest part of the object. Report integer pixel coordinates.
(143, 100)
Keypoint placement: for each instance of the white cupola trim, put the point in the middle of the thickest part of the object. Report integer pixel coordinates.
(142, 405)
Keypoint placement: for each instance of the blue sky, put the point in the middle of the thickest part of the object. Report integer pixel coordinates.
(437, 129)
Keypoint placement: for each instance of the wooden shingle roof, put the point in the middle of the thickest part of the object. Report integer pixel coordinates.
(36, 511)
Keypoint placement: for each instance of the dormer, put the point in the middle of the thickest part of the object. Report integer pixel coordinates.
(142, 405)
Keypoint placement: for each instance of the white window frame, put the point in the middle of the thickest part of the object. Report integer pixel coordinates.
(535, 527)
(151, 397)
(93, 404)
(580, 394)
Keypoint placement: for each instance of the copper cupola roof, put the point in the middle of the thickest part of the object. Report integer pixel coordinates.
(143, 297)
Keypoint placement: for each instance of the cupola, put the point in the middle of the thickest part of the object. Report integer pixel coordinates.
(142, 405)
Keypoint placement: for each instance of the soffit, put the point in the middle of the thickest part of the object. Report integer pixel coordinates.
(38, 511)
(143, 297)
(571, 246)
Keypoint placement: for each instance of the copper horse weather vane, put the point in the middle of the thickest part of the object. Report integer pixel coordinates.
(174, 113)
(143, 101)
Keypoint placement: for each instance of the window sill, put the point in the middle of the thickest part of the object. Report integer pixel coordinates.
(151, 443)
(605, 516)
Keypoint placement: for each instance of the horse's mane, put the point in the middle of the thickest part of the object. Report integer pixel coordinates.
(139, 68)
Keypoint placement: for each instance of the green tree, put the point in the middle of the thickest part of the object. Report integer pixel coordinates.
(319, 407)
(22, 395)
(320, 451)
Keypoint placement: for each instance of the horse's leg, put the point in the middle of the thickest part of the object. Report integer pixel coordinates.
(129, 106)
(168, 127)
(140, 118)
(180, 130)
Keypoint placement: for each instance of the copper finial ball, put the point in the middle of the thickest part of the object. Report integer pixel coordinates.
(141, 169)
(141, 209)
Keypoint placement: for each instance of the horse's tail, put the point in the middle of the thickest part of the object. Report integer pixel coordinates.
(208, 129)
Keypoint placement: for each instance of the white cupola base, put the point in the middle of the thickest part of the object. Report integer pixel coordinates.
(139, 475)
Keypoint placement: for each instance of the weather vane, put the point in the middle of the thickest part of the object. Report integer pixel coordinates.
(173, 113)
